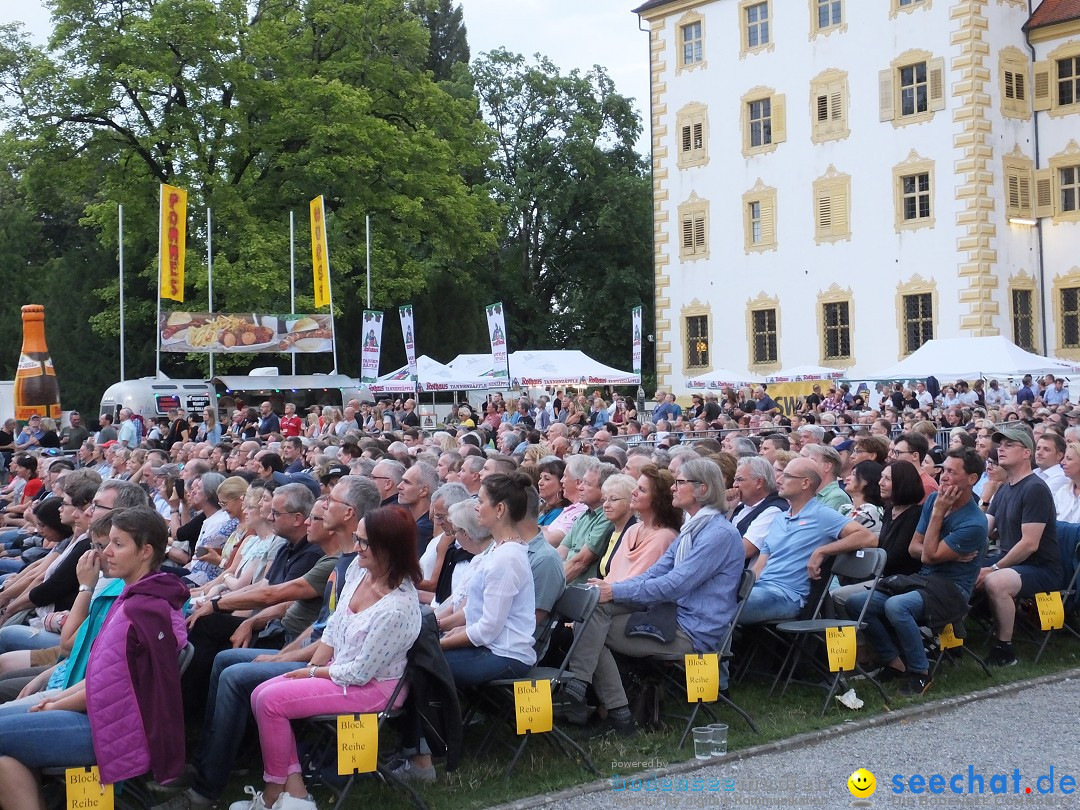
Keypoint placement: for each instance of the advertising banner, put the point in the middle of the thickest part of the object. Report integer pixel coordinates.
(497, 332)
(320, 253)
(248, 332)
(172, 242)
(408, 333)
(372, 346)
(635, 338)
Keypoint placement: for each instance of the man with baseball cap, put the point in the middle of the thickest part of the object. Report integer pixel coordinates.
(1028, 562)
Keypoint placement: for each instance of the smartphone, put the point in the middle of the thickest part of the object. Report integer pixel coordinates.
(179, 487)
(202, 551)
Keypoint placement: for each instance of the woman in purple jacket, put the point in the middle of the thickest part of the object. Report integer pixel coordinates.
(132, 673)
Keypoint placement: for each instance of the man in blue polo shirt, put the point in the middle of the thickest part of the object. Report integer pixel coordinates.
(797, 543)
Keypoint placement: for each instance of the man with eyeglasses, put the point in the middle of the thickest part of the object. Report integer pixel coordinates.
(387, 475)
(759, 505)
(913, 446)
(586, 542)
(418, 483)
(268, 616)
(333, 524)
(797, 544)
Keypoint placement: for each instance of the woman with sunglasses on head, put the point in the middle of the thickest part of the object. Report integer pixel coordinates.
(356, 665)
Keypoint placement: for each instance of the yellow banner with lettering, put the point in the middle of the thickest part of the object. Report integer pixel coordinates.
(172, 238)
(320, 253)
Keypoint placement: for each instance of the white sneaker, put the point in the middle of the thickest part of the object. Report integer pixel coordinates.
(407, 771)
(287, 802)
(254, 803)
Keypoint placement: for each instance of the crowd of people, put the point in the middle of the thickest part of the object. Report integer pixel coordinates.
(289, 563)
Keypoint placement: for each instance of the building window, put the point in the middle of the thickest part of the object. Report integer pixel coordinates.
(764, 120)
(697, 341)
(828, 106)
(1023, 317)
(828, 14)
(755, 19)
(1068, 80)
(914, 193)
(691, 43)
(836, 330)
(759, 212)
(832, 207)
(918, 315)
(1069, 188)
(906, 6)
(1014, 83)
(1070, 317)
(763, 328)
(694, 229)
(915, 190)
(1056, 81)
(913, 89)
(1018, 179)
(692, 123)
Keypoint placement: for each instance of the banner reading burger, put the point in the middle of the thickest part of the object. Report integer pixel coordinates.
(249, 332)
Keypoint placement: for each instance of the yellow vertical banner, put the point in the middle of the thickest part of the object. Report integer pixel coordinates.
(532, 706)
(172, 238)
(947, 639)
(1051, 611)
(320, 253)
(357, 743)
(85, 791)
(702, 677)
(840, 642)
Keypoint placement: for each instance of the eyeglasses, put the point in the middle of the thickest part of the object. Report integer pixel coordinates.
(681, 481)
(363, 543)
(275, 514)
(381, 478)
(796, 477)
(332, 499)
(100, 507)
(613, 500)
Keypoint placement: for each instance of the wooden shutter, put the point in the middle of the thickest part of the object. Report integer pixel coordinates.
(688, 233)
(699, 136)
(779, 118)
(686, 142)
(1044, 193)
(841, 226)
(823, 107)
(1041, 97)
(836, 103)
(699, 233)
(1024, 193)
(768, 222)
(885, 93)
(935, 71)
(824, 214)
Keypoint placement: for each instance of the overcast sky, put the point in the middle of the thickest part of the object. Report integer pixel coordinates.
(572, 33)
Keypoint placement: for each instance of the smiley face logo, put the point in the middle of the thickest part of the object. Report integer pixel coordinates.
(862, 784)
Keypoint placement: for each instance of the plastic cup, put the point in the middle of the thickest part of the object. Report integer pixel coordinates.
(719, 733)
(703, 742)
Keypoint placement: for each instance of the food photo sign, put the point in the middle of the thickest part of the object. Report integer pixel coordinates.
(249, 332)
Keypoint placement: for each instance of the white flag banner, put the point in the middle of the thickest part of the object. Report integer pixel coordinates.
(372, 346)
(497, 331)
(408, 333)
(635, 339)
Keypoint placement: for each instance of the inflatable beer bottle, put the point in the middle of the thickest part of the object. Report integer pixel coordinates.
(36, 390)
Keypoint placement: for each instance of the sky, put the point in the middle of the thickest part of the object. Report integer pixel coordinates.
(572, 33)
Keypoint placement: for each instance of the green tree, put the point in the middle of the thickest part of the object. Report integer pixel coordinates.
(448, 44)
(577, 249)
(255, 108)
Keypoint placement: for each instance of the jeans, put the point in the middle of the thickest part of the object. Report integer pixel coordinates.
(11, 565)
(477, 666)
(278, 701)
(21, 637)
(903, 613)
(767, 602)
(47, 739)
(228, 705)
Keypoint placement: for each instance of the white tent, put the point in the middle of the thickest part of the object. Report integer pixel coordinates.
(801, 373)
(434, 376)
(720, 378)
(545, 367)
(969, 358)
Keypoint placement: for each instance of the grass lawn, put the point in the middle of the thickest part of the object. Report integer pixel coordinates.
(542, 770)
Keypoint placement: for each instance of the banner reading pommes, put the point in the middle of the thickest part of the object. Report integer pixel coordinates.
(249, 332)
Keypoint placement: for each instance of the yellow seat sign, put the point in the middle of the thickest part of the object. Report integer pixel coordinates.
(840, 642)
(1051, 611)
(85, 791)
(357, 743)
(947, 640)
(702, 677)
(532, 705)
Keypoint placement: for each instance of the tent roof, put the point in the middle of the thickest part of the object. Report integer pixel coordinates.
(968, 358)
(720, 378)
(545, 367)
(271, 383)
(434, 376)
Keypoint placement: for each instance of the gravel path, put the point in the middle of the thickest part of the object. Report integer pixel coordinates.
(1025, 732)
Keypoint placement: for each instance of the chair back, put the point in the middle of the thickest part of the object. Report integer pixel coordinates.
(860, 565)
(746, 584)
(185, 657)
(819, 592)
(577, 605)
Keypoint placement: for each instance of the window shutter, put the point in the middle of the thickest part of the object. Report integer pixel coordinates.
(840, 212)
(768, 226)
(699, 233)
(1024, 194)
(823, 108)
(885, 92)
(824, 214)
(1044, 193)
(699, 139)
(1018, 86)
(837, 103)
(1012, 193)
(688, 233)
(936, 72)
(1010, 84)
(1041, 94)
(779, 118)
(686, 138)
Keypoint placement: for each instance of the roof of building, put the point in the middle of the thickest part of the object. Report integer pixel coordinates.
(650, 4)
(1049, 12)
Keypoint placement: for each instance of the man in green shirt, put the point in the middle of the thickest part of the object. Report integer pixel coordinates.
(828, 465)
(585, 543)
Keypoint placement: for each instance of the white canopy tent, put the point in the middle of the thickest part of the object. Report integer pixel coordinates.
(434, 376)
(808, 372)
(720, 378)
(544, 367)
(969, 358)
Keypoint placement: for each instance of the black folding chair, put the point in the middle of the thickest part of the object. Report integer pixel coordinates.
(576, 605)
(937, 654)
(1066, 596)
(862, 565)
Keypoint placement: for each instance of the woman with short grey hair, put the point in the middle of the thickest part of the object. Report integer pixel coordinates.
(705, 473)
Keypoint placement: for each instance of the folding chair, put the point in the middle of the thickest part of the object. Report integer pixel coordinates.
(937, 654)
(576, 605)
(1066, 597)
(867, 563)
(674, 686)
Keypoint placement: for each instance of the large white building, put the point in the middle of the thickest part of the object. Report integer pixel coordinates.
(837, 181)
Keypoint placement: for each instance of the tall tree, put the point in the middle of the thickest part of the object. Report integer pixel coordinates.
(448, 44)
(255, 108)
(577, 249)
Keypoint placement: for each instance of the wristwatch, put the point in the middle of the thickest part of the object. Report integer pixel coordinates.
(311, 672)
(214, 603)
(85, 589)
(995, 567)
